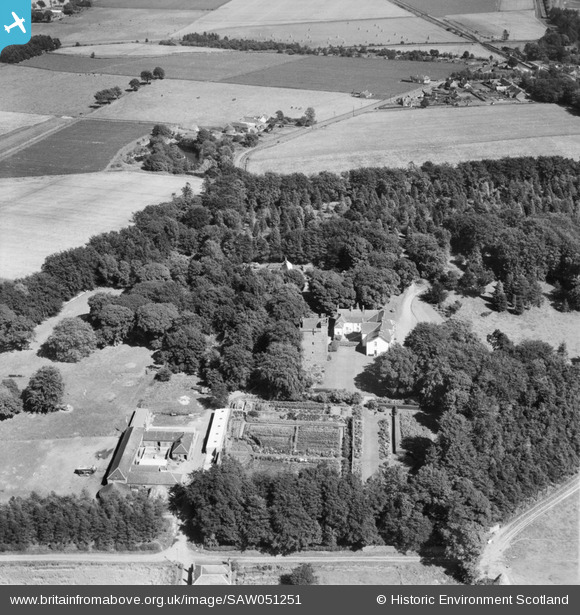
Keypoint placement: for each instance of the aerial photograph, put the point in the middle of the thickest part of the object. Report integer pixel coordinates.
(290, 292)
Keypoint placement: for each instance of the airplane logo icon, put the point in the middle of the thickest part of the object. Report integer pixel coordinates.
(17, 22)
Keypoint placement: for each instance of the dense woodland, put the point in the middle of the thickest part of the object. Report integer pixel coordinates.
(36, 46)
(191, 296)
(506, 424)
(61, 522)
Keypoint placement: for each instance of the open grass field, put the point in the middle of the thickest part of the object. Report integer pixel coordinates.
(101, 25)
(521, 25)
(84, 573)
(216, 104)
(543, 323)
(42, 215)
(81, 147)
(384, 78)
(547, 551)
(397, 138)
(131, 50)
(29, 90)
(515, 5)
(48, 465)
(201, 66)
(404, 30)
(10, 121)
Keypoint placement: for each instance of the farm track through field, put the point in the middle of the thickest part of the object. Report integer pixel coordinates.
(493, 552)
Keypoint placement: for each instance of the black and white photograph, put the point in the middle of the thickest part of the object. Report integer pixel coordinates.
(290, 294)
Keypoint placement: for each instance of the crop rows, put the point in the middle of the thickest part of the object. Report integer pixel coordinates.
(318, 439)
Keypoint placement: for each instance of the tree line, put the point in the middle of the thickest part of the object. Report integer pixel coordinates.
(61, 522)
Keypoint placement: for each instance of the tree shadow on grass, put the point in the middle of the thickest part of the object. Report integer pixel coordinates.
(368, 382)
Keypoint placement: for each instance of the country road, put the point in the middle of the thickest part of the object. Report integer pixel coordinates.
(491, 563)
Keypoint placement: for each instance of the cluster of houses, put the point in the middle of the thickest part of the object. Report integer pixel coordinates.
(249, 124)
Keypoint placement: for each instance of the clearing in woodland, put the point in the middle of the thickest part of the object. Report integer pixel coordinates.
(81, 147)
(112, 25)
(42, 215)
(210, 104)
(445, 134)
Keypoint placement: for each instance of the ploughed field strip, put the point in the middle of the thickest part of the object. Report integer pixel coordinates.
(209, 66)
(83, 147)
(384, 78)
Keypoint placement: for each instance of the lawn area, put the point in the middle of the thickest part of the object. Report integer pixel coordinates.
(344, 365)
(384, 78)
(546, 552)
(85, 146)
(83, 573)
(440, 134)
(43, 215)
(201, 64)
(217, 104)
(100, 25)
(544, 323)
(29, 90)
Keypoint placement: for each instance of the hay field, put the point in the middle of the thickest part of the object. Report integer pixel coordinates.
(29, 90)
(81, 147)
(397, 138)
(404, 30)
(48, 465)
(42, 215)
(546, 552)
(84, 573)
(522, 25)
(238, 13)
(168, 5)
(199, 67)
(384, 78)
(10, 121)
(101, 25)
(208, 104)
(125, 50)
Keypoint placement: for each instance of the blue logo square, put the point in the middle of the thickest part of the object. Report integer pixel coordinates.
(15, 22)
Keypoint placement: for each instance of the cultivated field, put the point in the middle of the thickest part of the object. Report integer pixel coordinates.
(397, 138)
(543, 323)
(10, 121)
(81, 147)
(29, 90)
(204, 103)
(382, 77)
(124, 50)
(515, 5)
(256, 12)
(405, 30)
(440, 8)
(111, 25)
(83, 573)
(42, 215)
(546, 552)
(203, 66)
(168, 5)
(521, 25)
